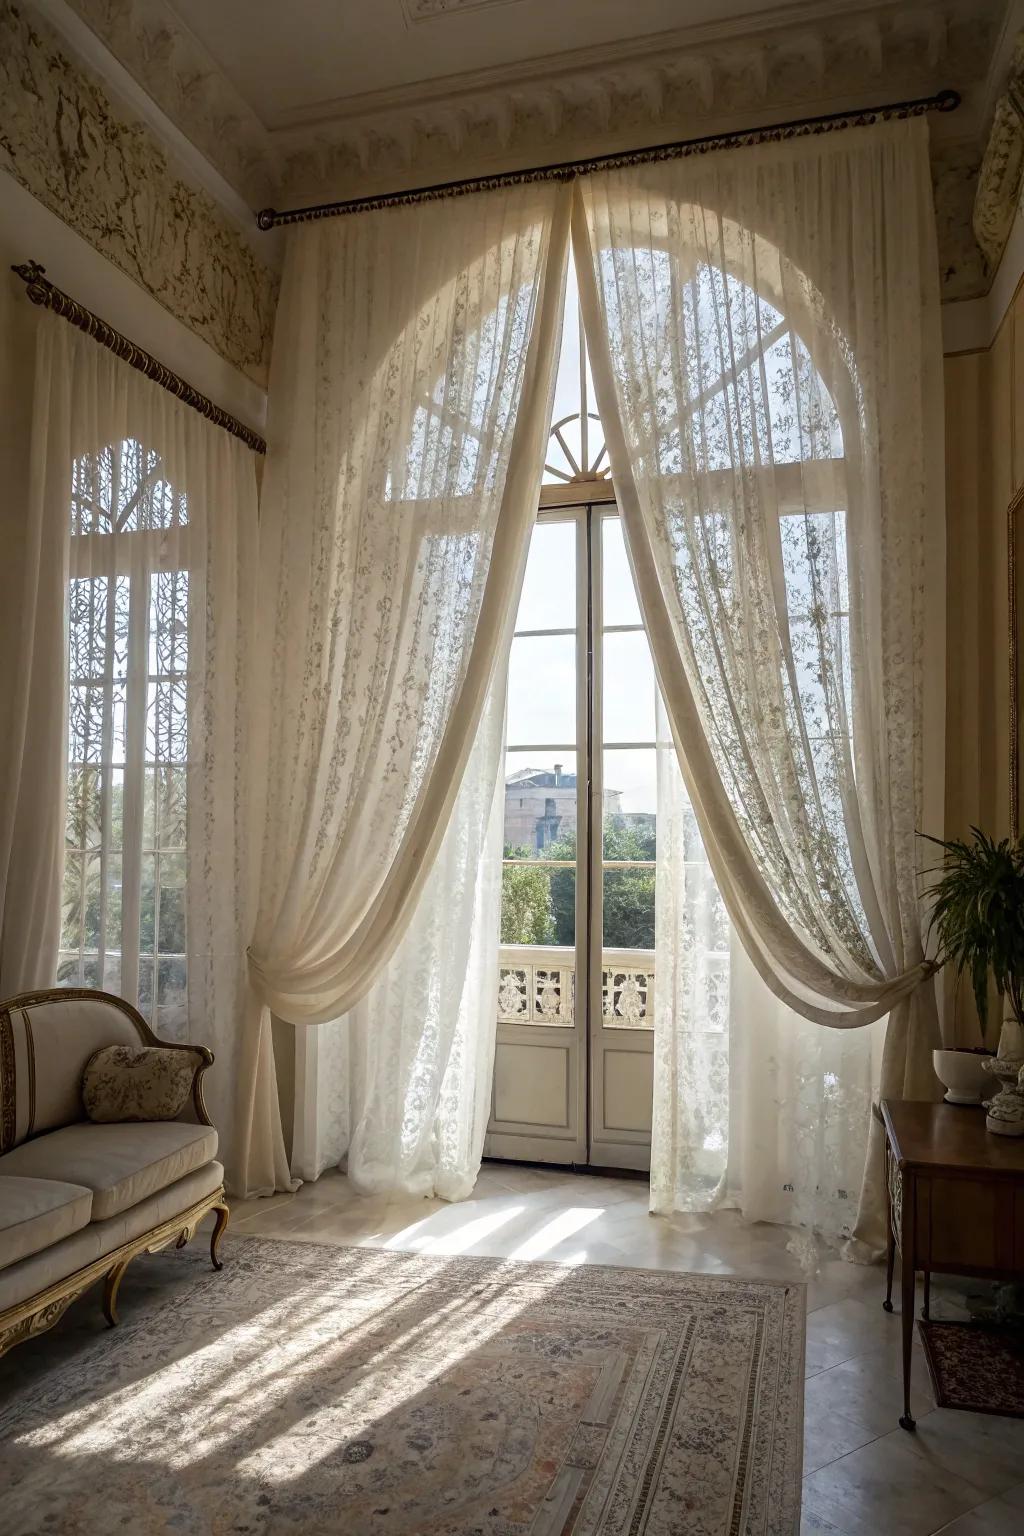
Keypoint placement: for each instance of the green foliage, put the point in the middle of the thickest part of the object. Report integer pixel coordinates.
(525, 902)
(539, 905)
(629, 908)
(978, 915)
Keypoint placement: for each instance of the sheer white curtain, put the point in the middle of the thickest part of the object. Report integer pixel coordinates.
(144, 516)
(763, 328)
(409, 404)
(755, 1107)
(401, 1087)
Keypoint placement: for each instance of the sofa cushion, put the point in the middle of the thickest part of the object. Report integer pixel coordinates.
(34, 1274)
(35, 1213)
(44, 1046)
(138, 1082)
(121, 1164)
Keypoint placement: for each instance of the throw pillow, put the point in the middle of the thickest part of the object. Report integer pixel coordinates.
(146, 1082)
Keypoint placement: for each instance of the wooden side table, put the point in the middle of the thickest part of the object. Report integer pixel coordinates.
(956, 1204)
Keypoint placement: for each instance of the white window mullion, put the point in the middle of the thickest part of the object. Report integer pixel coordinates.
(106, 759)
(134, 779)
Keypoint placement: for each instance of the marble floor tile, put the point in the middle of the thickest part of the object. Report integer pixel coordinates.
(983, 1448)
(885, 1487)
(993, 1518)
(830, 1435)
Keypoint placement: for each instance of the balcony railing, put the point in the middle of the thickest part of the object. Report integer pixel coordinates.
(537, 985)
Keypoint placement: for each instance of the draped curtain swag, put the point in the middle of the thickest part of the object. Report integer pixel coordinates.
(409, 404)
(763, 328)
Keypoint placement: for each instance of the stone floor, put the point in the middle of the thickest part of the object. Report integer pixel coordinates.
(961, 1474)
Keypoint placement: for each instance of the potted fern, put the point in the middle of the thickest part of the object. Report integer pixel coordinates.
(977, 919)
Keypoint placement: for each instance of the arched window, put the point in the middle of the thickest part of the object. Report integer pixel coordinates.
(582, 846)
(123, 923)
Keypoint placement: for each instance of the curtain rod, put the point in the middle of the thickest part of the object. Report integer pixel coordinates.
(566, 170)
(41, 291)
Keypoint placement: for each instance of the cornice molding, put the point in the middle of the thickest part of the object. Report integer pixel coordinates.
(704, 78)
(700, 80)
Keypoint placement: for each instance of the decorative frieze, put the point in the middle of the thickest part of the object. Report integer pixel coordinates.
(104, 173)
(161, 53)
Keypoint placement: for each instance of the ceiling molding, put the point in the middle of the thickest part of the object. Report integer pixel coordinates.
(605, 99)
(813, 56)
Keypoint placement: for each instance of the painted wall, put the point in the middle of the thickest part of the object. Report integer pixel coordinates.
(984, 469)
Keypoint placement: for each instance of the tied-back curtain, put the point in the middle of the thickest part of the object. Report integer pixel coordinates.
(410, 394)
(145, 516)
(763, 327)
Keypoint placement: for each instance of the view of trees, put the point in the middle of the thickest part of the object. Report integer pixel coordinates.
(538, 903)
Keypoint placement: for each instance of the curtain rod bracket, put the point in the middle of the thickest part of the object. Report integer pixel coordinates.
(44, 293)
(679, 149)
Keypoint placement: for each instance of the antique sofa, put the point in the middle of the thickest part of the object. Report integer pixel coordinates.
(79, 1200)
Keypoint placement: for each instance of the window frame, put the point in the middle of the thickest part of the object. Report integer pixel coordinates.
(137, 556)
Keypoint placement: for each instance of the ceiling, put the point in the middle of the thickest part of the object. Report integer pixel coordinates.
(310, 58)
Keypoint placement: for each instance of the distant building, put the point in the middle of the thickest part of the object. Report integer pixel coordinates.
(540, 806)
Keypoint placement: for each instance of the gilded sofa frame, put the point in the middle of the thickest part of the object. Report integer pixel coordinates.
(35, 1314)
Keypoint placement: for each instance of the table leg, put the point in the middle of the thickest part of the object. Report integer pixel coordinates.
(907, 1276)
(890, 1249)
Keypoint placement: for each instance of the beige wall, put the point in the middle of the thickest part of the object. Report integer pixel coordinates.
(984, 468)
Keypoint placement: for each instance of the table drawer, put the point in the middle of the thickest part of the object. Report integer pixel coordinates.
(965, 1223)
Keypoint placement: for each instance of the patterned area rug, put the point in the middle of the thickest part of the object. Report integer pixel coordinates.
(363, 1392)
(976, 1367)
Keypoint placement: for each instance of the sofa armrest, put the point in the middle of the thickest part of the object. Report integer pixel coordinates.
(205, 1061)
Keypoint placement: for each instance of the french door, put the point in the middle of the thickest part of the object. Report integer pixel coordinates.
(573, 1063)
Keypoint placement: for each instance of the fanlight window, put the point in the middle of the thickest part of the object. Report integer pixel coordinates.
(123, 926)
(576, 446)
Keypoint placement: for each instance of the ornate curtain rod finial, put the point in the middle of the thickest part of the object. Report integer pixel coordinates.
(41, 291)
(32, 275)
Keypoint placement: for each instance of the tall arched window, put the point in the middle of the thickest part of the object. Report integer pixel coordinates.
(128, 621)
(582, 795)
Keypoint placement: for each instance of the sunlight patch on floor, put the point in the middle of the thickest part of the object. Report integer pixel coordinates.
(566, 1224)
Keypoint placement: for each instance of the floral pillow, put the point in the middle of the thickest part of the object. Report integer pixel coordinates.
(146, 1082)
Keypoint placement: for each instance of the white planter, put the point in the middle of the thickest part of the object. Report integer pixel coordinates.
(963, 1075)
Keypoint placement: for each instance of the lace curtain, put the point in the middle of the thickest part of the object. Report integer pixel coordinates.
(755, 1107)
(401, 1087)
(763, 328)
(145, 518)
(409, 403)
